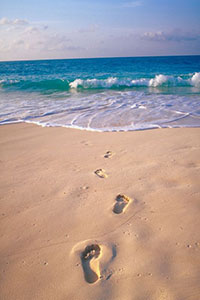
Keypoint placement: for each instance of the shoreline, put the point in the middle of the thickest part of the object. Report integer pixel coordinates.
(132, 197)
(96, 130)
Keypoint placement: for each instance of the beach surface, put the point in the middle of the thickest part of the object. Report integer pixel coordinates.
(92, 215)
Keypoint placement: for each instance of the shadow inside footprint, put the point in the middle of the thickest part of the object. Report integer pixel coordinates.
(101, 173)
(90, 263)
(121, 204)
(108, 154)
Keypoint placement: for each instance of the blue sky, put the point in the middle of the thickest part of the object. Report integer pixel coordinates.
(42, 29)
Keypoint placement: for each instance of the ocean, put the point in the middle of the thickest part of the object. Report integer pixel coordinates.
(102, 94)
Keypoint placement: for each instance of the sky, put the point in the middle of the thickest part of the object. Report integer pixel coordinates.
(56, 29)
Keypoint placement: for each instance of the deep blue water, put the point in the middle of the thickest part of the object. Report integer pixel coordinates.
(102, 94)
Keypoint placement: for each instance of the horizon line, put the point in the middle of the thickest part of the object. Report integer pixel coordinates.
(98, 57)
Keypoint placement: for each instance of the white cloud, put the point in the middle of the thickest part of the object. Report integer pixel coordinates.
(20, 22)
(174, 35)
(33, 41)
(6, 21)
(32, 29)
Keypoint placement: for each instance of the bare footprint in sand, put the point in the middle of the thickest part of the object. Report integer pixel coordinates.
(122, 203)
(108, 154)
(90, 263)
(101, 173)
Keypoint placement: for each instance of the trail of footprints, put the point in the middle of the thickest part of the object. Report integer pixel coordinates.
(90, 256)
(101, 172)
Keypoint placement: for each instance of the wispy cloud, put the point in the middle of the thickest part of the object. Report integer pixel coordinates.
(6, 21)
(31, 40)
(132, 4)
(174, 35)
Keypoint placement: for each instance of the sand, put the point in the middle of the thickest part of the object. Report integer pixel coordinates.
(88, 215)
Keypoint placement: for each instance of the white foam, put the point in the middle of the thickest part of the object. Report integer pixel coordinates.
(104, 83)
(157, 81)
(140, 82)
(107, 83)
(76, 83)
(195, 80)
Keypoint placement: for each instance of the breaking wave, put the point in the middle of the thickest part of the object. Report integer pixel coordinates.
(158, 80)
(57, 85)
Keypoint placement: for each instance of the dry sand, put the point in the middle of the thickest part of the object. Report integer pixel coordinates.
(87, 215)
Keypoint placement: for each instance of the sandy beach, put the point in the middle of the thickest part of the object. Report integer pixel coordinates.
(90, 215)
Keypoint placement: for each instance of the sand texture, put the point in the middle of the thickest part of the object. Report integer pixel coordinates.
(104, 216)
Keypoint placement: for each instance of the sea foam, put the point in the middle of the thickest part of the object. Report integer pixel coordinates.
(62, 84)
(195, 80)
(108, 110)
(158, 81)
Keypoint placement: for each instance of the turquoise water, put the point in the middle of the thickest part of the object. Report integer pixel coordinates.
(104, 94)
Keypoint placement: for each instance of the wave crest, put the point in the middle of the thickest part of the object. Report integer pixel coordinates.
(195, 80)
(57, 84)
(158, 81)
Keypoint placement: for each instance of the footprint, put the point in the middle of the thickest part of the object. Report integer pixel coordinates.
(122, 203)
(108, 154)
(90, 263)
(101, 173)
